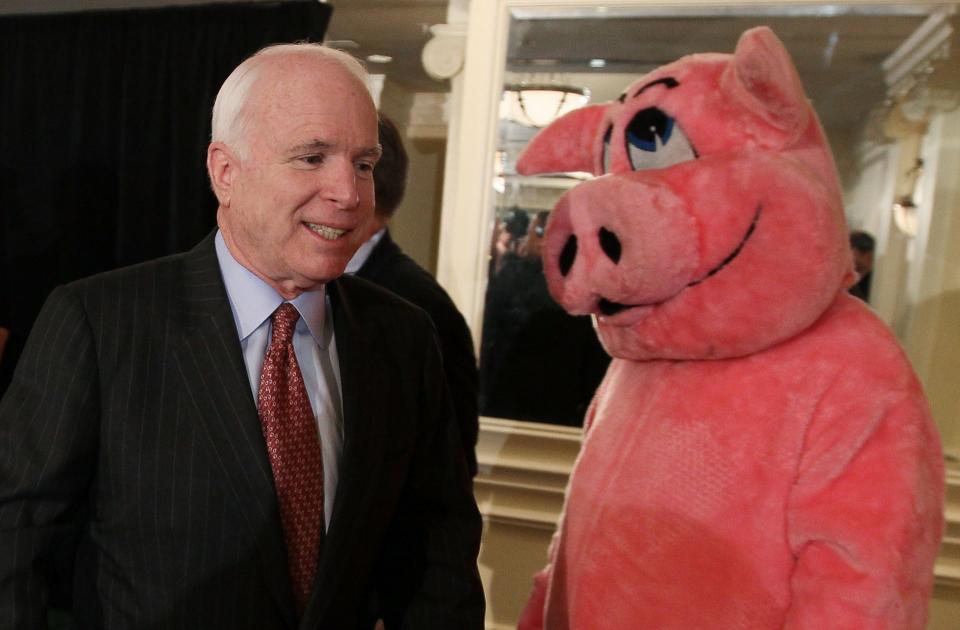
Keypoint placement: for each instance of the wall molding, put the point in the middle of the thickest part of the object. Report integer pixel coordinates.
(523, 471)
(524, 468)
(947, 570)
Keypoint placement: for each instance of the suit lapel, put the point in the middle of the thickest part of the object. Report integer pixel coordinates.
(215, 383)
(362, 444)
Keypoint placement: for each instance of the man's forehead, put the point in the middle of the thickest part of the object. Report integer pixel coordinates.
(322, 107)
(289, 75)
(283, 88)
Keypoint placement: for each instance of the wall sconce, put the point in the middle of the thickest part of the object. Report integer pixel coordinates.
(905, 215)
(905, 206)
(537, 105)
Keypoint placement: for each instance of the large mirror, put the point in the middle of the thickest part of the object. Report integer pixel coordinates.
(885, 80)
(880, 77)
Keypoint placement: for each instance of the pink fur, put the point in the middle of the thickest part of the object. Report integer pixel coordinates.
(759, 454)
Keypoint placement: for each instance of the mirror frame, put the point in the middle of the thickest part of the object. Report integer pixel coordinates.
(468, 197)
(524, 466)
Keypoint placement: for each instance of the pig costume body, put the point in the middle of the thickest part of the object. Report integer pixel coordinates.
(759, 454)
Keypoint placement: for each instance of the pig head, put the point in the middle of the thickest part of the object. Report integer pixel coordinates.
(715, 228)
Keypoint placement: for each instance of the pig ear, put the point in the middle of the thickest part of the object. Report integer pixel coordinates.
(765, 80)
(567, 144)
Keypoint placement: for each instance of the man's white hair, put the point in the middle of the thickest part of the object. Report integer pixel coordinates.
(230, 119)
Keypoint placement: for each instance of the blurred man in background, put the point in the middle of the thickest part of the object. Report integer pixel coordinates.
(862, 245)
(380, 260)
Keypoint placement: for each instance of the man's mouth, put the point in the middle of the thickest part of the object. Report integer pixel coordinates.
(609, 308)
(325, 231)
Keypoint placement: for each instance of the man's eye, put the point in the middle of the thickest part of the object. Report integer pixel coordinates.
(312, 160)
(365, 167)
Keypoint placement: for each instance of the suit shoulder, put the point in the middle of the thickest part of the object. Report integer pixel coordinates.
(404, 277)
(144, 292)
(367, 295)
(131, 275)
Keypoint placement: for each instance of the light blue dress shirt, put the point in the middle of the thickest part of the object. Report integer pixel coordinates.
(253, 301)
(364, 251)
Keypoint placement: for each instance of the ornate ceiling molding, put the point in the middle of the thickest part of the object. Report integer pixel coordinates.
(921, 75)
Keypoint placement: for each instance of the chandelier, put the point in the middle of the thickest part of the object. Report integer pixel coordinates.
(539, 104)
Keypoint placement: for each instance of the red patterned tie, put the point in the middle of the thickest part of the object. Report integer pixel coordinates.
(293, 443)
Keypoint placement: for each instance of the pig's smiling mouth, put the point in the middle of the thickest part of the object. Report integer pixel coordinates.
(609, 308)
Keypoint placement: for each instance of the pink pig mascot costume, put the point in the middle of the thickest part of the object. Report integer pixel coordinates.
(759, 454)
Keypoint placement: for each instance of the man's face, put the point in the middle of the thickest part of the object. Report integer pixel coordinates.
(301, 201)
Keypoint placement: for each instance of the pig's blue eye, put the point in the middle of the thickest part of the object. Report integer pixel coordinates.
(647, 126)
(654, 140)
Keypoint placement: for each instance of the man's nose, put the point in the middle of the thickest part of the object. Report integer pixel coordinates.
(340, 184)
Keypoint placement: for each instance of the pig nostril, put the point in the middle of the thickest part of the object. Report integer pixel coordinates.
(610, 245)
(568, 254)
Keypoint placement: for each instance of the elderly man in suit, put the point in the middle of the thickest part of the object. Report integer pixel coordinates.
(380, 260)
(236, 437)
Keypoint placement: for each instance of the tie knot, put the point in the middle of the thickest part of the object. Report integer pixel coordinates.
(284, 320)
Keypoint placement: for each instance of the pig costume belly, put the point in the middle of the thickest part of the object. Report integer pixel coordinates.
(706, 493)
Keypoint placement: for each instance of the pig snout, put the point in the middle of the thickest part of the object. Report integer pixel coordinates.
(598, 260)
(609, 244)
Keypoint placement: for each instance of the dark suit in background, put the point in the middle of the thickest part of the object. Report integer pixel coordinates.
(390, 268)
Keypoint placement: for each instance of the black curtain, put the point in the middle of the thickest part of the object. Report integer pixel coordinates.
(104, 123)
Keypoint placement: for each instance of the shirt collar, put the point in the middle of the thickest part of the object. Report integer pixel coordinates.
(364, 251)
(252, 300)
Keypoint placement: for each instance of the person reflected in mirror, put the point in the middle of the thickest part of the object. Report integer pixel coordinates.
(861, 246)
(532, 245)
(381, 261)
(508, 234)
(537, 362)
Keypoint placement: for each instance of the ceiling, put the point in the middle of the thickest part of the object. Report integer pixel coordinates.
(398, 28)
(838, 55)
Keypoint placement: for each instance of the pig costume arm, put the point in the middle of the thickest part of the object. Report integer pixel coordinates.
(865, 512)
(717, 272)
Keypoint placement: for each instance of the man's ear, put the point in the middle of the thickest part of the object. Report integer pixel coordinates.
(222, 165)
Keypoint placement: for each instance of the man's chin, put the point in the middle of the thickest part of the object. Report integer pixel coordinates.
(316, 277)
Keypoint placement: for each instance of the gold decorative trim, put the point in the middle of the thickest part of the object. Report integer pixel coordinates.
(523, 471)
(947, 570)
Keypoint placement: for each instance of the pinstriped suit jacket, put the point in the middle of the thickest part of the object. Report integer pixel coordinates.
(130, 445)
